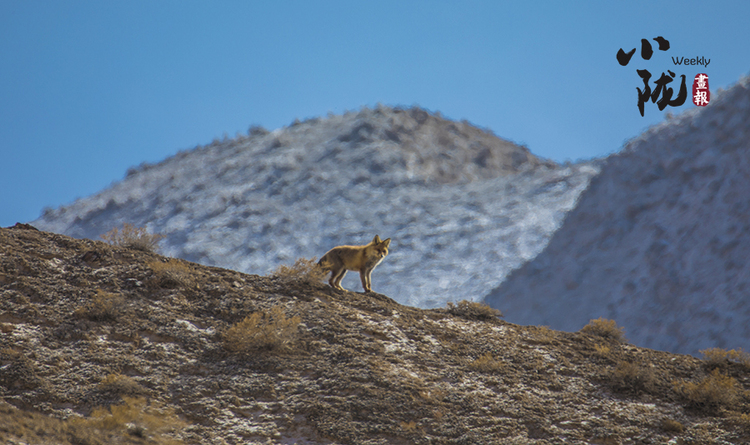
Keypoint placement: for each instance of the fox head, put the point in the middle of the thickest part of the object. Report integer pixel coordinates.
(381, 247)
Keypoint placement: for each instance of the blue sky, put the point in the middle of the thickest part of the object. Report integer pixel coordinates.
(90, 88)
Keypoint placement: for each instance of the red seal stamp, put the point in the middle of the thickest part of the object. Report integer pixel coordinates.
(701, 94)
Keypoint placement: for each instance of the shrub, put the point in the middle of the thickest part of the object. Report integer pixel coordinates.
(672, 426)
(487, 363)
(602, 350)
(632, 378)
(260, 331)
(171, 273)
(116, 385)
(741, 420)
(542, 335)
(473, 311)
(303, 270)
(104, 306)
(607, 329)
(135, 417)
(133, 237)
(721, 357)
(715, 391)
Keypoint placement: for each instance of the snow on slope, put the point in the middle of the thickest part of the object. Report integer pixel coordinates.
(659, 242)
(462, 206)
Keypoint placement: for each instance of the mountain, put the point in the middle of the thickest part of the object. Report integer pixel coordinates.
(462, 206)
(659, 241)
(102, 344)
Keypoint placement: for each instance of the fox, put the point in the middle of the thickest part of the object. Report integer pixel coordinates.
(362, 259)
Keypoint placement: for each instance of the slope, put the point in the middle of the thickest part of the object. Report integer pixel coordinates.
(658, 242)
(446, 192)
(160, 346)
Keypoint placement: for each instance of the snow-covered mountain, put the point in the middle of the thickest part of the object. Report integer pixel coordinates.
(659, 242)
(462, 206)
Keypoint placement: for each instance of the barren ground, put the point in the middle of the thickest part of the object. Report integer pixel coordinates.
(84, 324)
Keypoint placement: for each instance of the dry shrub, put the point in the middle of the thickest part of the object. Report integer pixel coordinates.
(104, 306)
(543, 335)
(672, 426)
(19, 372)
(115, 385)
(715, 391)
(741, 420)
(262, 331)
(721, 357)
(607, 329)
(133, 237)
(632, 378)
(303, 270)
(487, 363)
(602, 350)
(408, 426)
(135, 417)
(472, 310)
(171, 274)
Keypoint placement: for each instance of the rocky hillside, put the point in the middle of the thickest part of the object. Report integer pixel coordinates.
(659, 242)
(462, 206)
(104, 344)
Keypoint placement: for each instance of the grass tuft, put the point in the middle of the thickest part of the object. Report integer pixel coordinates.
(103, 306)
(721, 357)
(115, 385)
(133, 237)
(632, 378)
(715, 391)
(606, 329)
(473, 310)
(262, 331)
(135, 417)
(171, 274)
(303, 270)
(487, 364)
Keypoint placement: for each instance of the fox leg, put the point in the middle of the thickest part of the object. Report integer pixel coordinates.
(366, 280)
(336, 277)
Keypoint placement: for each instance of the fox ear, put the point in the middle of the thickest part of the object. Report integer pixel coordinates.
(387, 243)
(376, 240)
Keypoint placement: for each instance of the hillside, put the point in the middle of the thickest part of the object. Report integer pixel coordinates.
(447, 193)
(159, 343)
(659, 241)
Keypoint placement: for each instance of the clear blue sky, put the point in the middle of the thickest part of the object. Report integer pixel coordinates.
(90, 88)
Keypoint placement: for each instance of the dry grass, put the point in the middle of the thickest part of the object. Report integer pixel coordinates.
(487, 364)
(602, 350)
(115, 385)
(133, 237)
(262, 331)
(171, 274)
(632, 378)
(303, 270)
(104, 306)
(715, 391)
(721, 357)
(607, 329)
(741, 420)
(137, 418)
(472, 310)
(543, 335)
(135, 422)
(672, 426)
